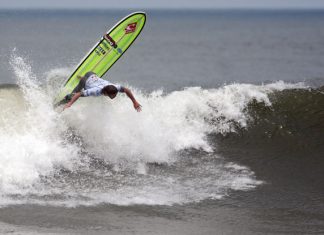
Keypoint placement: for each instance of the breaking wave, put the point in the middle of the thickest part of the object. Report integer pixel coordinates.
(102, 151)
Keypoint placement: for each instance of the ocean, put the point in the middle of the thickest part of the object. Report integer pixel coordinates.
(230, 139)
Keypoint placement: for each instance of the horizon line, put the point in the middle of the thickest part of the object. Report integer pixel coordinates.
(168, 8)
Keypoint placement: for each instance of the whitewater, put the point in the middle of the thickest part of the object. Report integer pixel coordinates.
(101, 151)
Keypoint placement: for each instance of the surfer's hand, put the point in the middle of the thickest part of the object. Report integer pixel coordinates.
(68, 105)
(74, 98)
(137, 106)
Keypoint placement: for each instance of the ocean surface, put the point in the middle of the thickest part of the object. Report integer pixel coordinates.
(230, 139)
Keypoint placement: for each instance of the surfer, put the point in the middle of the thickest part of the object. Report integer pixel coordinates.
(92, 85)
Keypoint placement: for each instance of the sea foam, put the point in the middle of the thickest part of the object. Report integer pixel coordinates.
(46, 155)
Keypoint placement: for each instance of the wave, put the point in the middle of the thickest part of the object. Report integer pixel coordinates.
(293, 122)
(102, 151)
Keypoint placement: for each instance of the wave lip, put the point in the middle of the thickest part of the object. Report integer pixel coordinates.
(293, 122)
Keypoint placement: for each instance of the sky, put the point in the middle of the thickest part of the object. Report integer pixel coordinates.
(162, 4)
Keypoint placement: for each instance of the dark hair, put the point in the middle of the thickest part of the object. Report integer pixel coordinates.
(88, 74)
(109, 90)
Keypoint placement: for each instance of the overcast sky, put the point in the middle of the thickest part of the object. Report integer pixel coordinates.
(195, 4)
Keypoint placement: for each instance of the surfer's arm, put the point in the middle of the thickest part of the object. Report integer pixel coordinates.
(74, 98)
(130, 95)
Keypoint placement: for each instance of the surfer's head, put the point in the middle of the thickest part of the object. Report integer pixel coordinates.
(110, 91)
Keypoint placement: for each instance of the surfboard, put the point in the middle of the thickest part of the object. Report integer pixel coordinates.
(105, 53)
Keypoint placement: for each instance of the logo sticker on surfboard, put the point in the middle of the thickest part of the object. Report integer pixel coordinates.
(111, 41)
(130, 28)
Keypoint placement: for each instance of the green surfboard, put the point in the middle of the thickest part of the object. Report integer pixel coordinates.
(106, 52)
